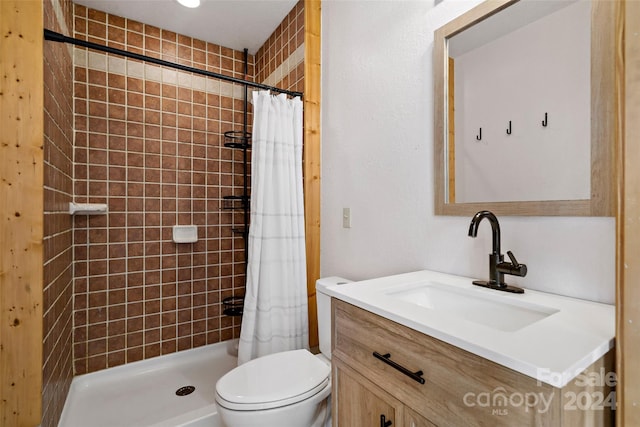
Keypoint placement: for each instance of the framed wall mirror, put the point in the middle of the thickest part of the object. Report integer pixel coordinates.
(525, 109)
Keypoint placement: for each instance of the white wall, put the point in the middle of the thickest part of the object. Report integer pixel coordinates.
(377, 142)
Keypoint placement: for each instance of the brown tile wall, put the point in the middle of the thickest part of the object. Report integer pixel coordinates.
(283, 42)
(58, 234)
(149, 145)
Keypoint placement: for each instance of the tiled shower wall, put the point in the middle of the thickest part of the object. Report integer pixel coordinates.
(57, 370)
(280, 60)
(149, 144)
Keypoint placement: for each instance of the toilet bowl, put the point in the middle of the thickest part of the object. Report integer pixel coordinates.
(287, 389)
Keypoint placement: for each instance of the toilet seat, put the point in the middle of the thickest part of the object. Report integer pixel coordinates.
(273, 381)
(274, 404)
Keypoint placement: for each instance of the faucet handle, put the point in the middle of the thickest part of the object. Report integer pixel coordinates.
(515, 268)
(513, 259)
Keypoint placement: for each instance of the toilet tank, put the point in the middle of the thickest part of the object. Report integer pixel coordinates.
(324, 311)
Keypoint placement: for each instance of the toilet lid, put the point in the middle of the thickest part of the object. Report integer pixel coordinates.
(274, 380)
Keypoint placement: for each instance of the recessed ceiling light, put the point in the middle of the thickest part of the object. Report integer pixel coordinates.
(189, 3)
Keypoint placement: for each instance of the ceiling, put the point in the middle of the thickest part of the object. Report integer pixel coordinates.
(236, 24)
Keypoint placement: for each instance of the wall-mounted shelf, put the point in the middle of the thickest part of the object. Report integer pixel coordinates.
(233, 306)
(237, 139)
(241, 231)
(87, 208)
(230, 203)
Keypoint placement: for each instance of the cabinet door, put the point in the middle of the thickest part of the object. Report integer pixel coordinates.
(413, 419)
(360, 403)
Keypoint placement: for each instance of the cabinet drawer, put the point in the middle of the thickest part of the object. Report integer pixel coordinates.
(460, 389)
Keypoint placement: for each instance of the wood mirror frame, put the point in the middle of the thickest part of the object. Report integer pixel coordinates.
(603, 108)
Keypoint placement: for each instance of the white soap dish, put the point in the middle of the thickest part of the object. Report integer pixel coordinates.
(185, 233)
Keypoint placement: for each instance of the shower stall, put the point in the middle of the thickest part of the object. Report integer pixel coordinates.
(147, 140)
(152, 143)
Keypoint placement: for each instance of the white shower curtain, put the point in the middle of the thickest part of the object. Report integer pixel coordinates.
(275, 307)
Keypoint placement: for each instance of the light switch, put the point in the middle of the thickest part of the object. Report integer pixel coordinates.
(346, 217)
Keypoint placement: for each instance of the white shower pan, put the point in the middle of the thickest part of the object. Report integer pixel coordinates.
(143, 394)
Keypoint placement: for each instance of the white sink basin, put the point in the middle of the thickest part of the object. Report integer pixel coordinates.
(545, 336)
(478, 307)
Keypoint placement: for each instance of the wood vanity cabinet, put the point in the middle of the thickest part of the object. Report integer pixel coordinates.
(459, 389)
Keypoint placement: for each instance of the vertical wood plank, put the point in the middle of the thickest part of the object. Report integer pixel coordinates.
(21, 207)
(312, 153)
(628, 219)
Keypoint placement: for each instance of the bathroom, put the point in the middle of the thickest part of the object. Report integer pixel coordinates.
(374, 53)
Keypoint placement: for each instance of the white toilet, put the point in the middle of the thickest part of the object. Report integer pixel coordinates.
(288, 389)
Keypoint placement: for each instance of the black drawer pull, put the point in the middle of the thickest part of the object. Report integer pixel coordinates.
(384, 422)
(386, 358)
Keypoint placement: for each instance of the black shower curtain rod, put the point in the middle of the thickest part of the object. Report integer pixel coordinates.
(57, 37)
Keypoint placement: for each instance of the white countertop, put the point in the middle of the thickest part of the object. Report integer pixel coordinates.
(553, 350)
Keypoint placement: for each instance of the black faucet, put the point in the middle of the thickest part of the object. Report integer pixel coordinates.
(497, 267)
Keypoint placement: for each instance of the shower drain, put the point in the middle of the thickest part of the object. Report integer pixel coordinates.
(186, 390)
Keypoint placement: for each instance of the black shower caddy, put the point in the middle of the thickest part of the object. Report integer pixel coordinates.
(239, 140)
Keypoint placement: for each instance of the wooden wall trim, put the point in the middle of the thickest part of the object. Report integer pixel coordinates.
(312, 153)
(628, 227)
(603, 101)
(451, 125)
(21, 207)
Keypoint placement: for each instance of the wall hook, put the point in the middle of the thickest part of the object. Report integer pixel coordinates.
(509, 130)
(479, 135)
(545, 122)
